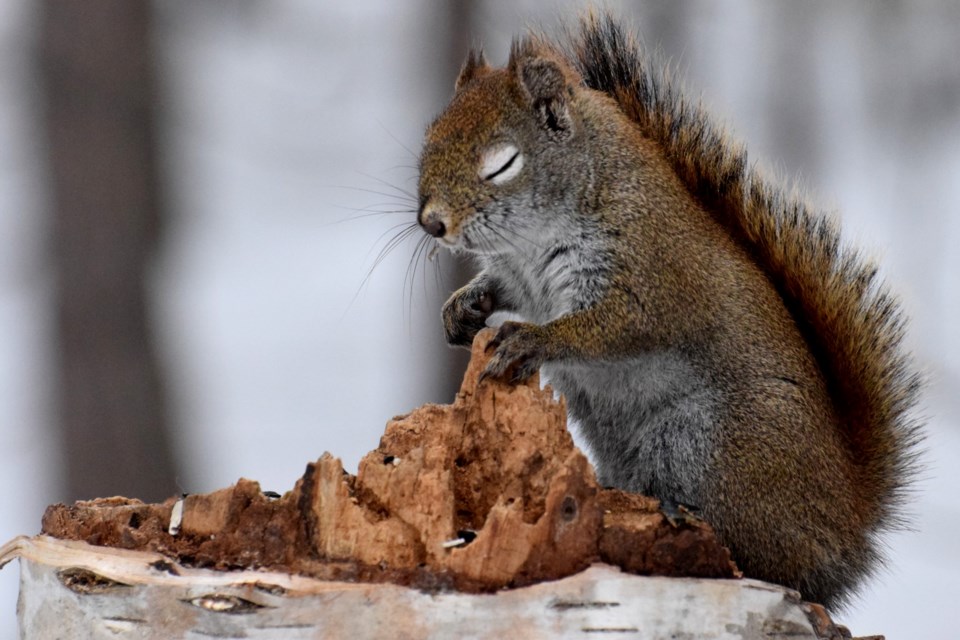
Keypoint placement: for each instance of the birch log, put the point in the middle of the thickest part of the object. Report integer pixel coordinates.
(71, 590)
(478, 519)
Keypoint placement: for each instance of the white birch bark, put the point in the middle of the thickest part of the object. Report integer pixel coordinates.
(73, 590)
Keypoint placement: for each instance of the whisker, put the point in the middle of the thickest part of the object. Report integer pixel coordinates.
(391, 244)
(494, 229)
(438, 275)
(397, 140)
(399, 190)
(372, 207)
(402, 196)
(485, 243)
(410, 276)
(366, 213)
(387, 249)
(516, 232)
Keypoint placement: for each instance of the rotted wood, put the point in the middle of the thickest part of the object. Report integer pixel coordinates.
(487, 495)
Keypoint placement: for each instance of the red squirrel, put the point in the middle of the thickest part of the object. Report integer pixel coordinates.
(717, 344)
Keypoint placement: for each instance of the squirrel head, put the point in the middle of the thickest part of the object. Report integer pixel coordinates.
(488, 169)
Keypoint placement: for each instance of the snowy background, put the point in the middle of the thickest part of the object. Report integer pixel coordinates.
(280, 119)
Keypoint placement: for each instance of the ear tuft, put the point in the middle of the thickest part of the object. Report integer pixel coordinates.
(473, 67)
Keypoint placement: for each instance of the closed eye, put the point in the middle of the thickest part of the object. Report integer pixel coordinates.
(501, 164)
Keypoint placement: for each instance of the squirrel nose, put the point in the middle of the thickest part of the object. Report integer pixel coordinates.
(431, 219)
(435, 227)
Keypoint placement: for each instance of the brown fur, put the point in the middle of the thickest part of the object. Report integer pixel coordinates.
(850, 322)
(804, 445)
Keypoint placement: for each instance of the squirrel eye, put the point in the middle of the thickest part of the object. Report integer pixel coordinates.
(501, 163)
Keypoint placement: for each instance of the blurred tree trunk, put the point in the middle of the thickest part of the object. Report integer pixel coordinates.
(97, 77)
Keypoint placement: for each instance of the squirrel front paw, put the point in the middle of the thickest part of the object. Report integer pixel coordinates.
(518, 352)
(465, 314)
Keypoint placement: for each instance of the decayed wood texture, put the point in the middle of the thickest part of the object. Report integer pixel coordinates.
(485, 493)
(484, 506)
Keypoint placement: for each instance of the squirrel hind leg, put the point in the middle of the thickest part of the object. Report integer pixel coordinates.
(789, 513)
(826, 569)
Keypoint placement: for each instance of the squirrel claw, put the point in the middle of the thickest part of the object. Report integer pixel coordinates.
(484, 375)
(517, 353)
(678, 514)
(465, 314)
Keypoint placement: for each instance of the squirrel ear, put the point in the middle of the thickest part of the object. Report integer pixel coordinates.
(474, 66)
(548, 90)
(542, 78)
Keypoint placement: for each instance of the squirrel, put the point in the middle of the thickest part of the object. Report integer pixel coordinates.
(716, 342)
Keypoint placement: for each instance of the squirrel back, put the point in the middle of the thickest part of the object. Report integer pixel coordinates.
(717, 342)
(851, 323)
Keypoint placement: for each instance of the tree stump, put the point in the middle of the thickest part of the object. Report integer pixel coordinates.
(472, 520)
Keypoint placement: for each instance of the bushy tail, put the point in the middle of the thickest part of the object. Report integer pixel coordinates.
(852, 324)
